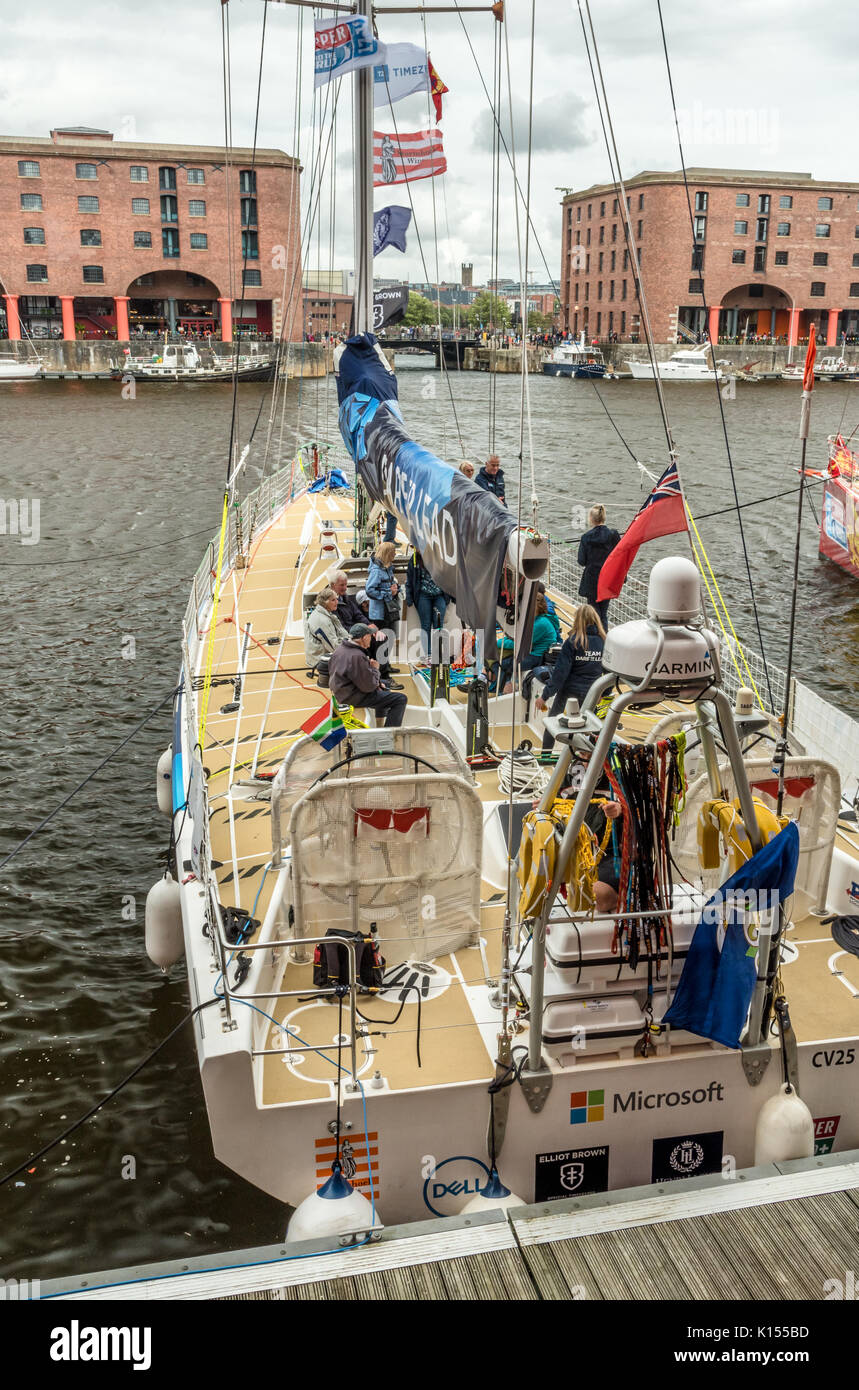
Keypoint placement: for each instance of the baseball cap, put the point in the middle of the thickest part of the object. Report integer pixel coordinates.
(361, 596)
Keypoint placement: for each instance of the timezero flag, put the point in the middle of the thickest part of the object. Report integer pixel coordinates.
(437, 89)
(715, 989)
(399, 70)
(407, 155)
(325, 727)
(389, 228)
(343, 46)
(662, 514)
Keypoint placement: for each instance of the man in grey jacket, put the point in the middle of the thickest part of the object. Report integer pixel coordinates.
(354, 678)
(323, 630)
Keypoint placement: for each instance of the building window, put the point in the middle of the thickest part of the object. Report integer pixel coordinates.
(587, 291)
(611, 289)
(166, 178)
(248, 183)
(140, 206)
(169, 242)
(590, 210)
(90, 236)
(602, 236)
(623, 289)
(579, 213)
(764, 202)
(855, 258)
(755, 291)
(28, 169)
(32, 202)
(196, 207)
(760, 258)
(742, 200)
(696, 286)
(599, 289)
(824, 204)
(640, 257)
(741, 228)
(142, 239)
(626, 260)
(622, 321)
(785, 201)
(602, 209)
(783, 229)
(37, 272)
(820, 258)
(697, 237)
(196, 175)
(640, 202)
(588, 263)
(698, 258)
(252, 277)
(169, 208)
(86, 203)
(855, 229)
(86, 171)
(35, 236)
(781, 258)
(854, 289)
(821, 229)
(601, 258)
(139, 173)
(614, 231)
(588, 237)
(818, 289)
(250, 246)
(738, 257)
(249, 212)
(599, 323)
(614, 260)
(93, 275)
(762, 229)
(199, 241)
(700, 202)
(614, 208)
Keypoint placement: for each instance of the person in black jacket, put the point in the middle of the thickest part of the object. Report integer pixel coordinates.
(578, 665)
(595, 546)
(491, 478)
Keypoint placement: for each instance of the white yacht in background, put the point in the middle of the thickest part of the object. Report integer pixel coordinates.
(12, 370)
(689, 364)
(574, 358)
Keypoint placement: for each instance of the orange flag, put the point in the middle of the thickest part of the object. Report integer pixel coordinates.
(808, 374)
(437, 89)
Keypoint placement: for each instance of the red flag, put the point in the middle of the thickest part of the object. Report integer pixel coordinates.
(661, 515)
(808, 373)
(437, 88)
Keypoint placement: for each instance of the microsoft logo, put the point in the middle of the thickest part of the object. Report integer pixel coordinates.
(586, 1106)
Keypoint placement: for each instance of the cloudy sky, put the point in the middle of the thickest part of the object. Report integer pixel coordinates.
(757, 84)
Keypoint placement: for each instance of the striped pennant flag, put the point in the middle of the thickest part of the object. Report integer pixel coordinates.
(325, 727)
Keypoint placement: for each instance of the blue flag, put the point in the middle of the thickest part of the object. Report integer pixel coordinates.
(389, 228)
(716, 987)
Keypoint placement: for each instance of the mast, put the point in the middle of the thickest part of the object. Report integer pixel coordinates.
(363, 132)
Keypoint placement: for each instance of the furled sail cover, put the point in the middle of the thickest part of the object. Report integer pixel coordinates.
(460, 530)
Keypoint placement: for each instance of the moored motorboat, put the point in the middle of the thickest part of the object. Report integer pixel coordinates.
(689, 364)
(574, 358)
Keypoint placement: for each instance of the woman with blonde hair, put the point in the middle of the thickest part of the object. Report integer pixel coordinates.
(467, 469)
(578, 665)
(382, 588)
(595, 546)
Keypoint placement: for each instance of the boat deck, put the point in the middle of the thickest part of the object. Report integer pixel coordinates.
(458, 1024)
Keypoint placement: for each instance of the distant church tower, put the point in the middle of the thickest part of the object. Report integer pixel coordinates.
(466, 273)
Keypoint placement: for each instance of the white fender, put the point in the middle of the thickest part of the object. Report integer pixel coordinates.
(164, 782)
(493, 1197)
(335, 1210)
(784, 1129)
(164, 937)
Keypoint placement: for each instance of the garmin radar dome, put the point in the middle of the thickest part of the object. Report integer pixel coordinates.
(670, 649)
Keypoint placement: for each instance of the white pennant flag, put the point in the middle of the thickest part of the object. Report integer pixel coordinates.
(399, 69)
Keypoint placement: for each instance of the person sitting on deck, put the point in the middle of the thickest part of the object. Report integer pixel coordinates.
(578, 665)
(351, 611)
(323, 631)
(491, 478)
(355, 680)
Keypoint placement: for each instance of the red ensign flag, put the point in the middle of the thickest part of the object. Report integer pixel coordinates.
(661, 515)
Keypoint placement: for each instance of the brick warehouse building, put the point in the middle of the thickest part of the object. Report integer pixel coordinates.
(773, 253)
(101, 237)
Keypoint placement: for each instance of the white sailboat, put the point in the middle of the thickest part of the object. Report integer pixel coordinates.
(512, 1029)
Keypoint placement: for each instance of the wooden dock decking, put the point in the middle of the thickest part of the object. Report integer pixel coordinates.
(779, 1232)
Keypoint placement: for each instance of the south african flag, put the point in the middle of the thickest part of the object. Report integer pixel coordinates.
(325, 727)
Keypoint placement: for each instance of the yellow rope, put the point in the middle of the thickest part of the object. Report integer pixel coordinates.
(724, 610)
(207, 682)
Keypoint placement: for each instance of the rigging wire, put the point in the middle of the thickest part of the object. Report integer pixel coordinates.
(746, 559)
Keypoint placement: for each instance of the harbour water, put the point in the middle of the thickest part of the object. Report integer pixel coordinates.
(130, 492)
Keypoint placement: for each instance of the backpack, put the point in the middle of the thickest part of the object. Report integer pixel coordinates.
(331, 961)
